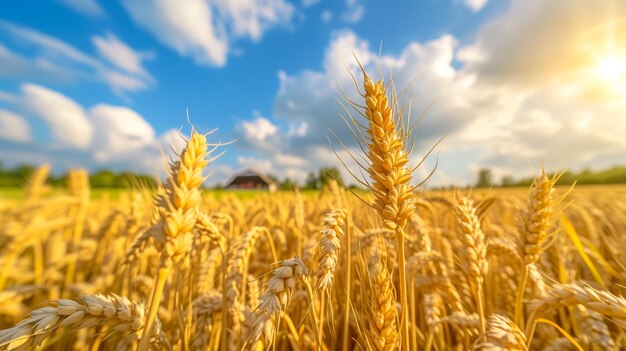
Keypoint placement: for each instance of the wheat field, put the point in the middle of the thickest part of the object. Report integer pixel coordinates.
(395, 267)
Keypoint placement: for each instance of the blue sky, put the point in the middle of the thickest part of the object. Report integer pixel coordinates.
(510, 83)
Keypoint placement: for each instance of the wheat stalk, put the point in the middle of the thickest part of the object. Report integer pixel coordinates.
(177, 208)
(475, 249)
(535, 231)
(394, 195)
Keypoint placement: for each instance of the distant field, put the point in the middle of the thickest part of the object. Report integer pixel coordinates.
(113, 193)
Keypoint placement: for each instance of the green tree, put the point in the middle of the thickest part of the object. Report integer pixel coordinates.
(328, 173)
(507, 181)
(288, 184)
(312, 181)
(103, 179)
(485, 178)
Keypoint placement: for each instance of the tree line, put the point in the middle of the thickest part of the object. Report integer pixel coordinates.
(315, 180)
(613, 175)
(104, 178)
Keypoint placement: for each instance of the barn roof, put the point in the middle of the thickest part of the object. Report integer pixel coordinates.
(249, 172)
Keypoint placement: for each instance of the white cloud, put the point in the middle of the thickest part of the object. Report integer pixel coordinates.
(90, 8)
(120, 131)
(184, 26)
(68, 122)
(261, 165)
(544, 42)
(475, 5)
(121, 55)
(104, 135)
(250, 18)
(290, 160)
(540, 56)
(258, 133)
(13, 127)
(56, 60)
(120, 82)
(354, 11)
(49, 45)
(298, 129)
(173, 142)
(205, 30)
(343, 47)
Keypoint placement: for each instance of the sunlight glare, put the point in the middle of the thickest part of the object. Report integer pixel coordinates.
(611, 69)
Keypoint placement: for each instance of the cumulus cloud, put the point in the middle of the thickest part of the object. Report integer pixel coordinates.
(57, 61)
(311, 96)
(121, 55)
(537, 42)
(205, 30)
(13, 127)
(561, 111)
(258, 133)
(104, 135)
(120, 130)
(90, 8)
(67, 121)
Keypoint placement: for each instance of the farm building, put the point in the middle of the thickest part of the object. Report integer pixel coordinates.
(251, 180)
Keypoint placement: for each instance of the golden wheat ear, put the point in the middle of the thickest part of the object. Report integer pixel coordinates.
(382, 137)
(117, 312)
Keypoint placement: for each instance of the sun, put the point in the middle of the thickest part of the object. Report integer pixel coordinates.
(611, 69)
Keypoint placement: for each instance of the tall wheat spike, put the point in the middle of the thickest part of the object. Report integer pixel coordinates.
(390, 178)
(475, 249)
(535, 231)
(177, 209)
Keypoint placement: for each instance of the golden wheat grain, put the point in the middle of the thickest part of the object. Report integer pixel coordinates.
(601, 301)
(381, 308)
(502, 332)
(87, 311)
(274, 299)
(328, 248)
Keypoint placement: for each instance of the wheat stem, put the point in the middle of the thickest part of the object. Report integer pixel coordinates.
(161, 278)
(346, 316)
